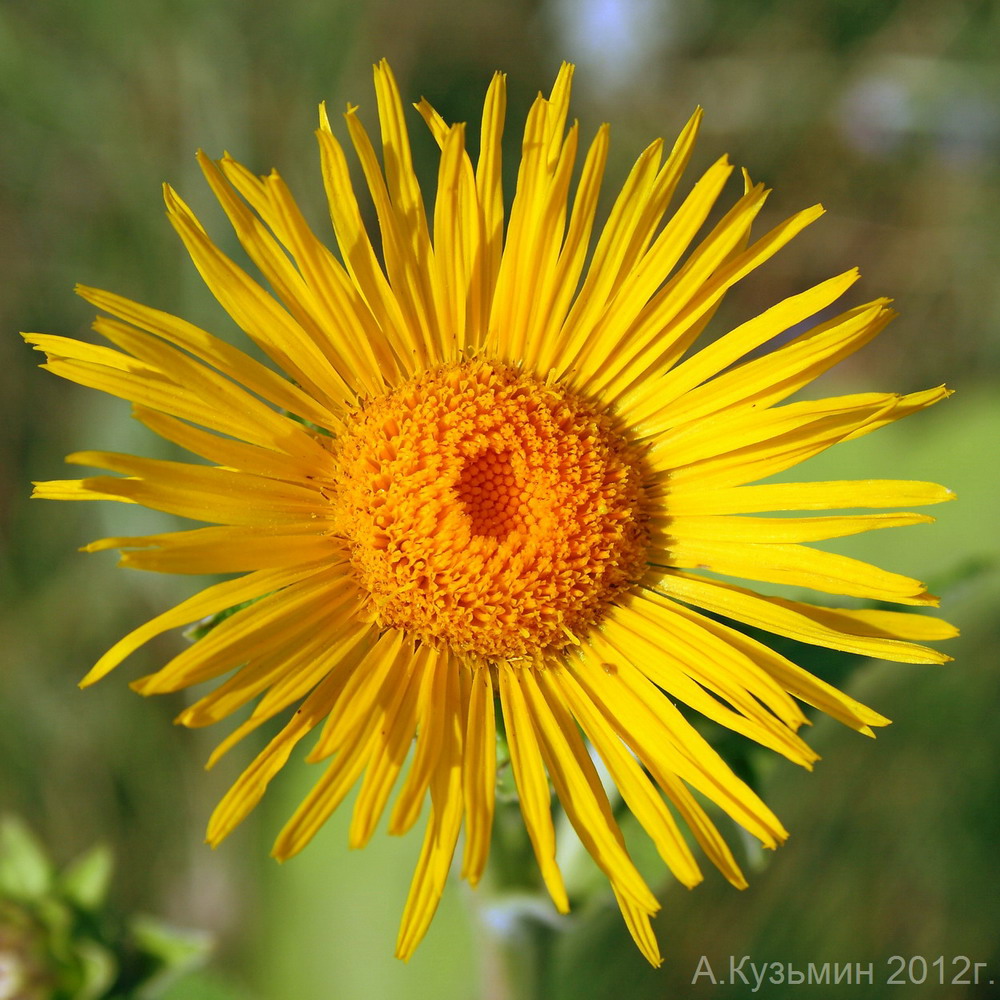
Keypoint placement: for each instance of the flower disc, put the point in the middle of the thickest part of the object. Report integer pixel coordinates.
(488, 509)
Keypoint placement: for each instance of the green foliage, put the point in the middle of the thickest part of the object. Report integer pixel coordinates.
(59, 940)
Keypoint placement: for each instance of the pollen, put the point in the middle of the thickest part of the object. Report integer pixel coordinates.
(488, 510)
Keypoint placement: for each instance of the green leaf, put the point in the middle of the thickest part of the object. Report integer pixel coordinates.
(201, 628)
(25, 870)
(85, 881)
(173, 952)
(98, 970)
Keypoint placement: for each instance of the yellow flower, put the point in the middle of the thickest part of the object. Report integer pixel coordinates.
(488, 476)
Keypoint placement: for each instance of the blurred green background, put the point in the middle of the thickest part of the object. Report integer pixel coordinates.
(885, 111)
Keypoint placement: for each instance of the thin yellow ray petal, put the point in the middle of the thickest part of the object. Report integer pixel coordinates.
(72, 489)
(875, 622)
(436, 125)
(479, 774)
(639, 926)
(541, 349)
(435, 669)
(730, 432)
(532, 785)
(151, 389)
(233, 410)
(801, 361)
(622, 237)
(325, 796)
(205, 493)
(442, 829)
(393, 738)
(906, 405)
(790, 676)
(594, 333)
(580, 791)
(456, 244)
(274, 623)
(636, 789)
(343, 653)
(694, 292)
(711, 663)
(742, 447)
(303, 466)
(307, 308)
(221, 554)
(667, 743)
(363, 694)
(661, 194)
(835, 495)
(729, 528)
(612, 701)
(390, 662)
(357, 252)
(406, 271)
(785, 618)
(518, 268)
(557, 111)
(255, 311)
(633, 220)
(489, 185)
(613, 347)
(796, 565)
(749, 718)
(408, 206)
(228, 360)
(203, 499)
(347, 323)
(67, 349)
(218, 597)
(705, 316)
(537, 275)
(400, 176)
(327, 643)
(249, 788)
(330, 664)
(642, 403)
(774, 377)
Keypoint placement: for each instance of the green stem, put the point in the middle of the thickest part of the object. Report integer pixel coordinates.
(515, 916)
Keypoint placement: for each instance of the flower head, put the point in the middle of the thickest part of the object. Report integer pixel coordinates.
(482, 476)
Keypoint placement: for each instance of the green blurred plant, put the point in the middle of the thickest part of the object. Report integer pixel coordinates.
(60, 940)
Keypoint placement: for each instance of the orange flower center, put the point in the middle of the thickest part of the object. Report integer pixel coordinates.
(489, 510)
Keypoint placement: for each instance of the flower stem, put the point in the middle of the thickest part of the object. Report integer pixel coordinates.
(516, 918)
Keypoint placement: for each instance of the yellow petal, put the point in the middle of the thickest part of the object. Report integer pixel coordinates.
(580, 792)
(786, 618)
(221, 550)
(796, 565)
(268, 626)
(479, 773)
(532, 785)
(722, 528)
(442, 828)
(844, 494)
(210, 601)
(642, 403)
(436, 669)
(228, 360)
(636, 789)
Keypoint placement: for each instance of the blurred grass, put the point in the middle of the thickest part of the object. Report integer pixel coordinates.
(883, 111)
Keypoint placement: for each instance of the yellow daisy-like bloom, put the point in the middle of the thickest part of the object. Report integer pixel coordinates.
(487, 478)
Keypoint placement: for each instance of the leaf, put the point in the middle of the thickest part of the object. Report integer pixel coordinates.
(201, 628)
(172, 951)
(85, 881)
(98, 970)
(25, 870)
